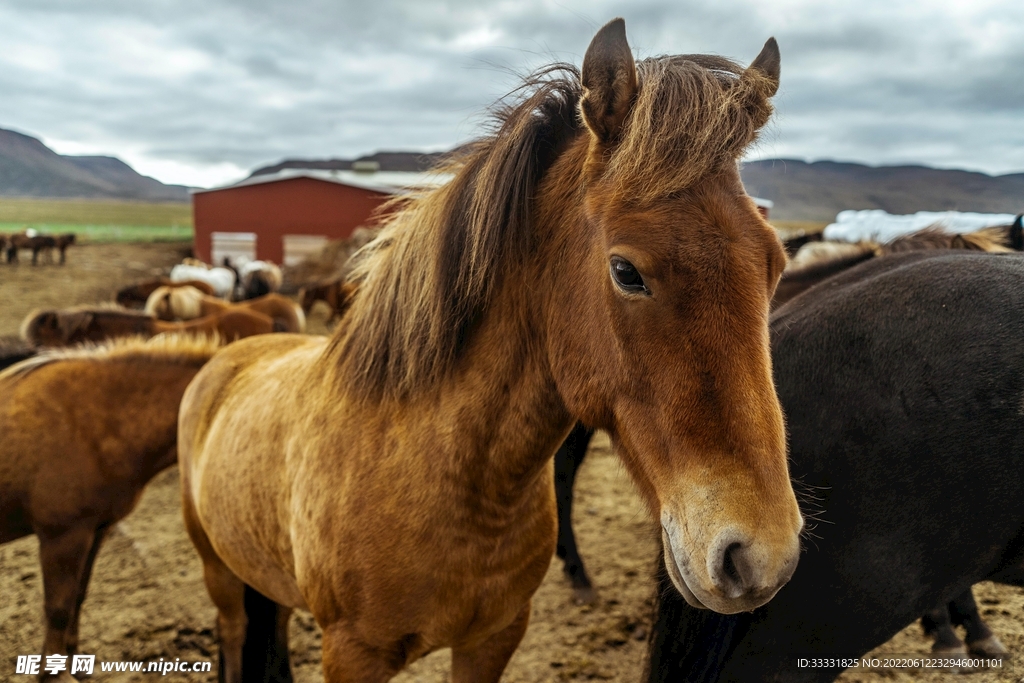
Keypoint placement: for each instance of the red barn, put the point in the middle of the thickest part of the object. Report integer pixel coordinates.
(285, 216)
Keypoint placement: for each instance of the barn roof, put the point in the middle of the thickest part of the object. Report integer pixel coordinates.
(386, 182)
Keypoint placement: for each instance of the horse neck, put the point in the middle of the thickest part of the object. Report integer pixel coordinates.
(143, 394)
(506, 379)
(502, 401)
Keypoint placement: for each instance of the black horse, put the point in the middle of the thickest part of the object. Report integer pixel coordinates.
(903, 385)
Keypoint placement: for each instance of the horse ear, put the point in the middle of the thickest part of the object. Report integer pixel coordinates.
(769, 64)
(609, 81)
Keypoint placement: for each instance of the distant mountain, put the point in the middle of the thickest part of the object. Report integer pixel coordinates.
(389, 161)
(802, 191)
(818, 191)
(28, 168)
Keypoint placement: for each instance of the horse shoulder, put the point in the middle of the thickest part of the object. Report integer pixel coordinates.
(221, 464)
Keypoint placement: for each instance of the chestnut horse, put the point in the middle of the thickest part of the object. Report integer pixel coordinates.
(84, 430)
(93, 324)
(188, 303)
(597, 257)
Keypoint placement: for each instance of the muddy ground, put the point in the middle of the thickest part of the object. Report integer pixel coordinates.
(147, 600)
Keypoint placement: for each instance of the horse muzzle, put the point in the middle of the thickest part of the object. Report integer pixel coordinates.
(733, 572)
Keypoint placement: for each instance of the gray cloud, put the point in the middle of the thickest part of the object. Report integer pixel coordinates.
(197, 91)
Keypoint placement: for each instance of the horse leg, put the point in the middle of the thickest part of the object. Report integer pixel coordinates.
(980, 639)
(568, 459)
(486, 662)
(64, 557)
(266, 638)
(936, 623)
(348, 660)
(228, 595)
(83, 587)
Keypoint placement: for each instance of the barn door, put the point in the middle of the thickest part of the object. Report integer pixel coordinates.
(233, 245)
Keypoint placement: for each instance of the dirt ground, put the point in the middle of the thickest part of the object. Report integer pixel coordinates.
(147, 600)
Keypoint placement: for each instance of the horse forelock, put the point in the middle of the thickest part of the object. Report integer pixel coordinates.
(165, 348)
(692, 113)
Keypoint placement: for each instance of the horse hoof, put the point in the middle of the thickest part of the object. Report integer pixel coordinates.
(584, 596)
(988, 647)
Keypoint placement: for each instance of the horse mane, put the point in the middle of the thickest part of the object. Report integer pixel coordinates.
(996, 239)
(183, 349)
(428, 277)
(934, 237)
(828, 262)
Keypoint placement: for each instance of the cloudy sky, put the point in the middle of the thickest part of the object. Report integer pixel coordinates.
(200, 92)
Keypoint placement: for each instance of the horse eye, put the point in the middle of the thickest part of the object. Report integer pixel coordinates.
(626, 276)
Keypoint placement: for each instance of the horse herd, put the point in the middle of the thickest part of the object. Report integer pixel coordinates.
(11, 245)
(822, 475)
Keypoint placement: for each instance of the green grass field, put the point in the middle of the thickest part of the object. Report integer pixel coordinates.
(99, 220)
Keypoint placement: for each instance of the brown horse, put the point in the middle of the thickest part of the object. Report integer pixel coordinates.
(135, 296)
(84, 430)
(596, 256)
(335, 293)
(94, 324)
(188, 303)
(37, 243)
(817, 261)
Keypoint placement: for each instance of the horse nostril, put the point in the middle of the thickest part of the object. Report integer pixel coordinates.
(729, 564)
(732, 573)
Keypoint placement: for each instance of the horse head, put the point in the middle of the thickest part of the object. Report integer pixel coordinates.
(55, 328)
(667, 344)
